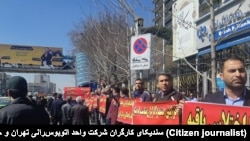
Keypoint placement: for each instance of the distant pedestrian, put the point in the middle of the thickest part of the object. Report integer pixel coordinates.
(114, 107)
(49, 103)
(66, 109)
(50, 100)
(30, 97)
(124, 93)
(56, 111)
(21, 110)
(192, 97)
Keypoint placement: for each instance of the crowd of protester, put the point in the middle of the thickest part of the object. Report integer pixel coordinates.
(55, 110)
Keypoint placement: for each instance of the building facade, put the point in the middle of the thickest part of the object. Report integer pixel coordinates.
(163, 8)
(82, 73)
(191, 38)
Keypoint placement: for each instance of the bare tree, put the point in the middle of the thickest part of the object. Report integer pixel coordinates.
(104, 40)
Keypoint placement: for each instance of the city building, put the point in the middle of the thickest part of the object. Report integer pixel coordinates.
(42, 85)
(163, 8)
(83, 74)
(231, 37)
(3, 82)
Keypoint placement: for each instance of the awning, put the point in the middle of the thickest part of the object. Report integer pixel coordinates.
(224, 45)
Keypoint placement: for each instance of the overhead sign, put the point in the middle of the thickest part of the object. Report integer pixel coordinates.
(31, 55)
(140, 52)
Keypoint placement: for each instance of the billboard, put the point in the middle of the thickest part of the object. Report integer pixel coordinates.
(184, 28)
(30, 55)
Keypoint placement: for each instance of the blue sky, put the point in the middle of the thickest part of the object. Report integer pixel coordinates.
(47, 22)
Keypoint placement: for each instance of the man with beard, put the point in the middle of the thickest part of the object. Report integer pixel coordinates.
(234, 75)
(140, 92)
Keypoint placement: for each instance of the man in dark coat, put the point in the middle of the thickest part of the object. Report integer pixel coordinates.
(21, 110)
(234, 75)
(66, 108)
(80, 113)
(167, 92)
(56, 110)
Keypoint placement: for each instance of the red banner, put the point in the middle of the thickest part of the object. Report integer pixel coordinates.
(201, 113)
(88, 103)
(76, 91)
(155, 113)
(102, 104)
(95, 101)
(125, 113)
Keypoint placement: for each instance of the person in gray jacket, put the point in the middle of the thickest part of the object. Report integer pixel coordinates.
(80, 113)
(21, 110)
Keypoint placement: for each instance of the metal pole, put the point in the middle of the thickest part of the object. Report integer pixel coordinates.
(141, 74)
(163, 40)
(129, 72)
(197, 77)
(205, 84)
(137, 32)
(178, 76)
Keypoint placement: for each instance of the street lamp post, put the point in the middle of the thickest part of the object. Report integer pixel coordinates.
(99, 83)
(163, 40)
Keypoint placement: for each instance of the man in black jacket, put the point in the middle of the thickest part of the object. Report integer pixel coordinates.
(234, 75)
(66, 108)
(167, 92)
(21, 110)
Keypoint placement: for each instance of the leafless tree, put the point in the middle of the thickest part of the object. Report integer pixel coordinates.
(104, 42)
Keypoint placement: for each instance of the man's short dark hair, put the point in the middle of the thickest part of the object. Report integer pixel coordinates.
(54, 94)
(59, 96)
(165, 74)
(125, 91)
(230, 57)
(117, 89)
(139, 79)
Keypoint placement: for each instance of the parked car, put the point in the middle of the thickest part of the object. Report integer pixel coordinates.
(4, 101)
